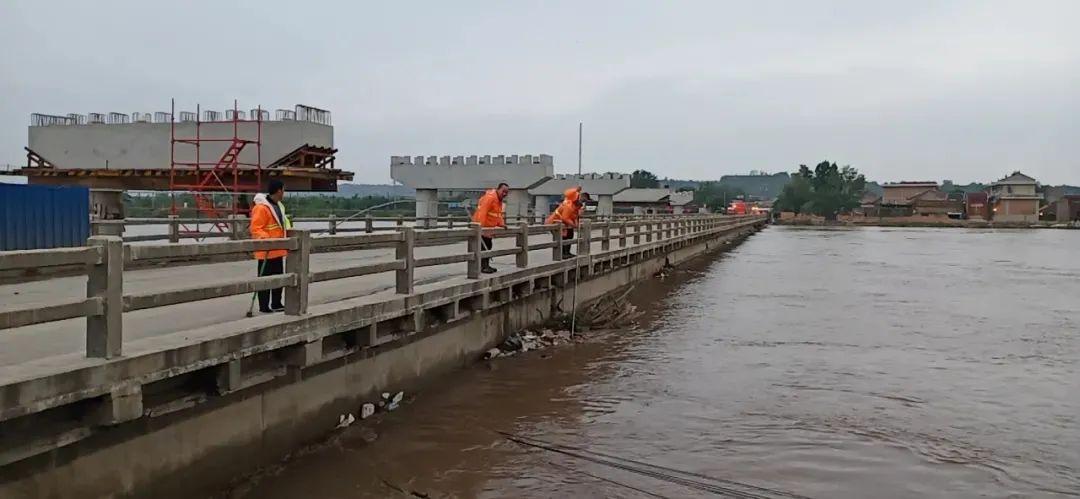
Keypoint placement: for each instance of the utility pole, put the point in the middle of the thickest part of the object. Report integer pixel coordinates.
(579, 132)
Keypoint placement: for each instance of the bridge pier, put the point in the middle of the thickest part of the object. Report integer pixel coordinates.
(427, 207)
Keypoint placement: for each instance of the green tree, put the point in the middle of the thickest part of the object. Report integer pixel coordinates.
(827, 190)
(644, 179)
(797, 193)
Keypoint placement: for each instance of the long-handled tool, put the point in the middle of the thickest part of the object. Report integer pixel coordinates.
(251, 307)
(573, 312)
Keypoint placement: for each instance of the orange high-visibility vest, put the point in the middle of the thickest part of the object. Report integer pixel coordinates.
(265, 225)
(566, 213)
(489, 210)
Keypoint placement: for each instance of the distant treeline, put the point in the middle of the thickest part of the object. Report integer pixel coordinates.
(161, 205)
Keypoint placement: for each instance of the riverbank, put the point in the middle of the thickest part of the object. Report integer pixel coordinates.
(922, 222)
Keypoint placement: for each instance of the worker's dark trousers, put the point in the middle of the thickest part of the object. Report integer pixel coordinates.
(485, 245)
(567, 234)
(270, 298)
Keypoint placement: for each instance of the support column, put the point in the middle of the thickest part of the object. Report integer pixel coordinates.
(518, 203)
(427, 207)
(605, 205)
(107, 204)
(542, 205)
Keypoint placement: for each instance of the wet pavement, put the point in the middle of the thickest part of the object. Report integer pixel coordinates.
(844, 363)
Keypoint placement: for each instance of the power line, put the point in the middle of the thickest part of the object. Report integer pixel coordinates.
(699, 481)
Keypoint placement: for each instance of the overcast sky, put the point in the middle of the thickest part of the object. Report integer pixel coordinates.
(962, 90)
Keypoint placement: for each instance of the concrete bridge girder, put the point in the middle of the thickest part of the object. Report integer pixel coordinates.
(604, 186)
(431, 173)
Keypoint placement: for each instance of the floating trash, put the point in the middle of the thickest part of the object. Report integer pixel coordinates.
(345, 420)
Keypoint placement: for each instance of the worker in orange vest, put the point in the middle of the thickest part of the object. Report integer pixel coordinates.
(268, 221)
(569, 214)
(489, 214)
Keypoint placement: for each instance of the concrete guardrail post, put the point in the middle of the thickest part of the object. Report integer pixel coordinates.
(174, 229)
(622, 234)
(475, 248)
(298, 262)
(649, 226)
(333, 224)
(637, 233)
(584, 244)
(369, 224)
(400, 221)
(404, 252)
(523, 245)
(235, 232)
(104, 333)
(450, 222)
(556, 237)
(605, 233)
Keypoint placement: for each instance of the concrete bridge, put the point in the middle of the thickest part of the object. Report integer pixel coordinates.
(142, 372)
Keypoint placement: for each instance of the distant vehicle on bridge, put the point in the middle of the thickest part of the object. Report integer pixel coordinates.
(737, 207)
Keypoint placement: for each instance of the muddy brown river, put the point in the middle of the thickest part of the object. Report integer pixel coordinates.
(848, 363)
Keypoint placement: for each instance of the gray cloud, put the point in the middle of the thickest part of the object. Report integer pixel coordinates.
(964, 90)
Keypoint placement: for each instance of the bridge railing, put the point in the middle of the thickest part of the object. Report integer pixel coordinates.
(104, 259)
(178, 229)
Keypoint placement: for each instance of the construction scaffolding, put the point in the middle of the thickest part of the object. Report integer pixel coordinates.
(222, 175)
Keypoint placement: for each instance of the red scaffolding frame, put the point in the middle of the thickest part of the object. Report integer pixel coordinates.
(219, 176)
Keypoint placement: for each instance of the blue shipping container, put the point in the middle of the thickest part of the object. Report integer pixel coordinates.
(40, 216)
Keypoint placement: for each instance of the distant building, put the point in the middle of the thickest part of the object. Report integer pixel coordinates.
(898, 199)
(652, 200)
(900, 193)
(934, 202)
(977, 205)
(1063, 209)
(1014, 199)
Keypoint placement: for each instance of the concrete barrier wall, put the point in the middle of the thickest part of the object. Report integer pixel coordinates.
(188, 453)
(146, 145)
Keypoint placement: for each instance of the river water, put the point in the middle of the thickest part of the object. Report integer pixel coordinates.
(847, 363)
